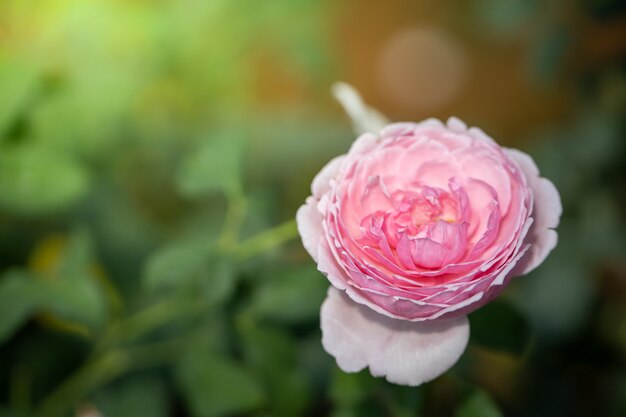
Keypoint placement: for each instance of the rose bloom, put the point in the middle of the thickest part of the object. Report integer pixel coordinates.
(415, 227)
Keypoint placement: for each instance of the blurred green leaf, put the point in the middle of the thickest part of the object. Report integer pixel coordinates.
(344, 412)
(19, 297)
(70, 291)
(215, 165)
(272, 355)
(17, 83)
(176, 265)
(547, 58)
(291, 296)
(500, 326)
(36, 180)
(350, 389)
(5, 412)
(191, 265)
(557, 297)
(479, 404)
(214, 385)
(75, 292)
(132, 398)
(504, 18)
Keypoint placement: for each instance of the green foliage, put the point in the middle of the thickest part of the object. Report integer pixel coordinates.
(215, 385)
(214, 166)
(191, 265)
(72, 292)
(360, 394)
(20, 295)
(271, 354)
(175, 139)
(280, 298)
(36, 180)
(500, 326)
(479, 404)
(18, 84)
(137, 396)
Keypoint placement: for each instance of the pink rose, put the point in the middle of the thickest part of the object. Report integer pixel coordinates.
(415, 227)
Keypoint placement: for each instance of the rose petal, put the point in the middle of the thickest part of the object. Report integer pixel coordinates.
(456, 125)
(321, 182)
(546, 213)
(406, 353)
(309, 221)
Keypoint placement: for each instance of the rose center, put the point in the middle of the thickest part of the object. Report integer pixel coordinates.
(422, 228)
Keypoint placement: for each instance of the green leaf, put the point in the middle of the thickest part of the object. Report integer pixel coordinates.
(35, 180)
(19, 297)
(292, 296)
(17, 83)
(271, 354)
(74, 291)
(479, 404)
(191, 265)
(350, 389)
(69, 292)
(555, 317)
(214, 385)
(5, 412)
(131, 398)
(176, 265)
(500, 326)
(214, 166)
(78, 300)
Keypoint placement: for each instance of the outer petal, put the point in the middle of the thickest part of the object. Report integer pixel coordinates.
(309, 222)
(546, 212)
(406, 353)
(321, 182)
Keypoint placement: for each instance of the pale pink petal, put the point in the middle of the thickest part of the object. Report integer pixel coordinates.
(321, 182)
(546, 213)
(309, 221)
(456, 125)
(363, 143)
(404, 352)
(327, 265)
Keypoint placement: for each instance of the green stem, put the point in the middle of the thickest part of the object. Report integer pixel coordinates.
(94, 373)
(103, 369)
(145, 321)
(233, 220)
(110, 361)
(265, 241)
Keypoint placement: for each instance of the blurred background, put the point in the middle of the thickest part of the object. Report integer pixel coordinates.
(153, 155)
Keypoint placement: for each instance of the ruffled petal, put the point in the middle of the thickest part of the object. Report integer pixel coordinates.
(309, 221)
(321, 182)
(407, 353)
(546, 213)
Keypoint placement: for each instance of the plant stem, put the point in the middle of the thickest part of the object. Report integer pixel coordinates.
(94, 373)
(143, 322)
(109, 360)
(103, 369)
(233, 220)
(266, 241)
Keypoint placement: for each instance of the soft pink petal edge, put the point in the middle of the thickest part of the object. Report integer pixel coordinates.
(308, 217)
(406, 353)
(309, 221)
(547, 210)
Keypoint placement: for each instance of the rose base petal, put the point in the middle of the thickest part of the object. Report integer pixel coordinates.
(406, 353)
